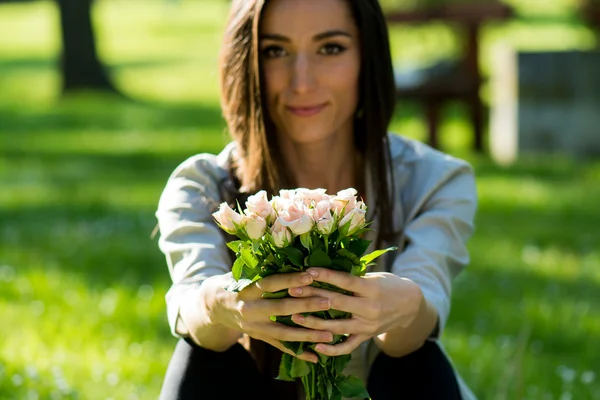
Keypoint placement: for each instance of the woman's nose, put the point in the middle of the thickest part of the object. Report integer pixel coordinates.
(303, 78)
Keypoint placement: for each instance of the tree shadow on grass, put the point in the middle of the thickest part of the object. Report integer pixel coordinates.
(100, 244)
(39, 64)
(75, 171)
(109, 115)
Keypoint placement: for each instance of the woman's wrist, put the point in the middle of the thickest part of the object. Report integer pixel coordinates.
(402, 341)
(215, 298)
(200, 314)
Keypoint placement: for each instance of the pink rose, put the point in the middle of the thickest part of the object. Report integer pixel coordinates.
(295, 216)
(326, 224)
(361, 206)
(259, 204)
(280, 234)
(321, 214)
(255, 225)
(226, 218)
(352, 222)
(311, 197)
(320, 209)
(287, 194)
(344, 201)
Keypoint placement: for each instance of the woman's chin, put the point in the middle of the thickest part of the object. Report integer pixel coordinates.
(310, 133)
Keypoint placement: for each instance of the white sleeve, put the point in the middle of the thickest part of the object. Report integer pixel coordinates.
(190, 239)
(435, 238)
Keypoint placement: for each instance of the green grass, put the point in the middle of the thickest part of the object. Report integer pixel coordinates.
(82, 284)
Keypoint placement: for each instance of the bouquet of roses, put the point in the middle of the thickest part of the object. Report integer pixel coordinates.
(296, 230)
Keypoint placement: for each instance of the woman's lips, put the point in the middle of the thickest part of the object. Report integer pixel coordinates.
(307, 111)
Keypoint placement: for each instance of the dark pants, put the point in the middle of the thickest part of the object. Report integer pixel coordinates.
(197, 373)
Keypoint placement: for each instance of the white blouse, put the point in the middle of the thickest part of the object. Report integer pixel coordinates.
(435, 201)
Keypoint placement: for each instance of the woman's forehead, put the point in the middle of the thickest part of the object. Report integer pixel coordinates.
(299, 18)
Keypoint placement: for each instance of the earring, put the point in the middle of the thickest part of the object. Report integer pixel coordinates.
(360, 113)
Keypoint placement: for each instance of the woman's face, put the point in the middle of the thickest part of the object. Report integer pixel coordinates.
(310, 57)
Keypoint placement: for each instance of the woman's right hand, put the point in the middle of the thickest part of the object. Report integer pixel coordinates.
(248, 312)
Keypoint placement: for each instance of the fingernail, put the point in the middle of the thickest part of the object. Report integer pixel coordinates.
(320, 348)
(300, 319)
(326, 337)
(306, 279)
(313, 272)
(324, 304)
(296, 291)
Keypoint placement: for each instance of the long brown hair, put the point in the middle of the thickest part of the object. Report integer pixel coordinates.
(258, 164)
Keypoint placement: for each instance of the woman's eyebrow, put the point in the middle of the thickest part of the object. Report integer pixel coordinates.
(330, 34)
(316, 38)
(274, 36)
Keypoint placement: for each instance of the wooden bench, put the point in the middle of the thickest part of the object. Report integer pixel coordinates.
(460, 81)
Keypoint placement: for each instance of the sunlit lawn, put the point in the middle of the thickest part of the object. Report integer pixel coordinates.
(82, 285)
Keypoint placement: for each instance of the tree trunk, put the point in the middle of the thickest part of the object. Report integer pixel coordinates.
(80, 66)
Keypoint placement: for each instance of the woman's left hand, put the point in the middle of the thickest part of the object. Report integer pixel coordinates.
(382, 302)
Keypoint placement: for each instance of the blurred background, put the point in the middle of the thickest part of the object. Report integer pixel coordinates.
(100, 101)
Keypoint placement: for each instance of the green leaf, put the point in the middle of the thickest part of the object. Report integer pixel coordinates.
(338, 339)
(299, 368)
(333, 288)
(285, 368)
(240, 232)
(359, 270)
(343, 229)
(341, 264)
(337, 314)
(294, 255)
(359, 246)
(329, 389)
(256, 246)
(341, 362)
(248, 257)
(347, 254)
(239, 285)
(296, 347)
(235, 245)
(371, 256)
(352, 386)
(275, 295)
(306, 240)
(319, 258)
(321, 386)
(335, 394)
(236, 269)
(289, 268)
(249, 273)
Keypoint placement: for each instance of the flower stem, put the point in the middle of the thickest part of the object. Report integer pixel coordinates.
(312, 386)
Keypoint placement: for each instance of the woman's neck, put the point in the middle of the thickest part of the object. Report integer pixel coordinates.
(332, 164)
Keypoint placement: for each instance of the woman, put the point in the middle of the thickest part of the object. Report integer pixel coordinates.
(308, 93)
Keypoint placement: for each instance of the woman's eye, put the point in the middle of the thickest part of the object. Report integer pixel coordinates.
(273, 52)
(332, 49)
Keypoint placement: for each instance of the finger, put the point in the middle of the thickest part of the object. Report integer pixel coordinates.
(280, 331)
(341, 279)
(306, 356)
(345, 347)
(278, 282)
(352, 304)
(335, 326)
(291, 306)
